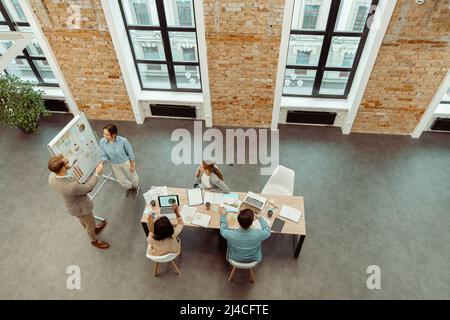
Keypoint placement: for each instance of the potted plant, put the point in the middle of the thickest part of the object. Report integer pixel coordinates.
(21, 105)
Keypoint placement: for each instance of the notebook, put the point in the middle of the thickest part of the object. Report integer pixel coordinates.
(290, 213)
(277, 225)
(195, 196)
(201, 219)
(187, 213)
(213, 197)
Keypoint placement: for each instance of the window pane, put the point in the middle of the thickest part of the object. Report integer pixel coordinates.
(15, 11)
(141, 12)
(179, 13)
(184, 46)
(188, 77)
(144, 40)
(352, 15)
(334, 82)
(304, 50)
(310, 14)
(154, 79)
(21, 68)
(299, 82)
(45, 71)
(34, 49)
(342, 51)
(5, 45)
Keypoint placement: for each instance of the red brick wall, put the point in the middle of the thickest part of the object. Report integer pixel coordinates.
(86, 57)
(411, 64)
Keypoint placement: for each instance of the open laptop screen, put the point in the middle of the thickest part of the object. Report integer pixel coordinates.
(166, 201)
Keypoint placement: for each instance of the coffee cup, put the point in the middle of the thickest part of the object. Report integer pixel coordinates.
(208, 205)
(270, 213)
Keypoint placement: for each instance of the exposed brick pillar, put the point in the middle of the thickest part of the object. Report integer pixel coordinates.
(243, 41)
(86, 56)
(411, 64)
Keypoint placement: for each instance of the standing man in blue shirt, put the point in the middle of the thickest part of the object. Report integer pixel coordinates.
(244, 244)
(118, 151)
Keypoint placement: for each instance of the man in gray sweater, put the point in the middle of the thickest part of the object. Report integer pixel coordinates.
(75, 197)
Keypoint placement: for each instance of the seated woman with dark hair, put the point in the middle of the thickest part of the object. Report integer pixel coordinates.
(164, 238)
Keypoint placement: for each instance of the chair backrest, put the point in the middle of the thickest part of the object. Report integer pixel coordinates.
(280, 182)
(243, 265)
(164, 258)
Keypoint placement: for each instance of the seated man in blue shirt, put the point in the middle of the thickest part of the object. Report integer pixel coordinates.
(244, 244)
(118, 151)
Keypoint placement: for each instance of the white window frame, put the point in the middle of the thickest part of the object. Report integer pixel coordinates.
(136, 94)
(347, 107)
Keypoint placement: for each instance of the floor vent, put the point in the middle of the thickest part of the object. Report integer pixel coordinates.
(166, 110)
(56, 105)
(311, 117)
(441, 124)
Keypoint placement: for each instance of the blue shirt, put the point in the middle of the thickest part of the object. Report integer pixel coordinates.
(117, 152)
(244, 245)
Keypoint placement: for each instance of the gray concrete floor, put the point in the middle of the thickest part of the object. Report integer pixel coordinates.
(369, 200)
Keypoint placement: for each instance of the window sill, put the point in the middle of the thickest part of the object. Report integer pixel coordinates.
(314, 104)
(443, 111)
(171, 97)
(52, 93)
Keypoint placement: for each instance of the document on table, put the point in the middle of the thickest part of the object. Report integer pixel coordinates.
(213, 197)
(188, 213)
(201, 219)
(231, 202)
(290, 213)
(154, 192)
(195, 196)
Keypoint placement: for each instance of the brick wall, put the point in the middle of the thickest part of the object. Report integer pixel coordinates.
(86, 56)
(243, 41)
(411, 65)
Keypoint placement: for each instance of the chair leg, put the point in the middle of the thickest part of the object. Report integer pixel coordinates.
(156, 268)
(252, 276)
(232, 273)
(176, 268)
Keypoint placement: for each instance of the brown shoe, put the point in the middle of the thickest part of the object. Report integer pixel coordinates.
(100, 227)
(100, 244)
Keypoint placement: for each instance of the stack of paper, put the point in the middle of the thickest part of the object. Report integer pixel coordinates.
(290, 213)
(154, 192)
(201, 219)
(188, 213)
(195, 196)
(213, 197)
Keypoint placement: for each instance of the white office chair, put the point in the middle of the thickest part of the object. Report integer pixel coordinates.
(169, 257)
(280, 183)
(246, 266)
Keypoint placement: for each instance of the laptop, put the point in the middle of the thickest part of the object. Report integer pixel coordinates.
(254, 200)
(165, 205)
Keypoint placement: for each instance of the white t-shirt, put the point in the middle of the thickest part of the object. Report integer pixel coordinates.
(206, 184)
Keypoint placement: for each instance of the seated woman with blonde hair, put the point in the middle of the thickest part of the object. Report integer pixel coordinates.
(210, 178)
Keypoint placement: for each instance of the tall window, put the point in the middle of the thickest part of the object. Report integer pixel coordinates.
(164, 46)
(31, 65)
(334, 39)
(310, 17)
